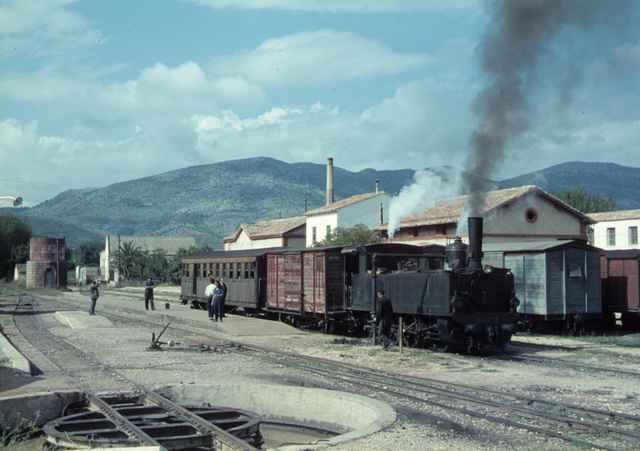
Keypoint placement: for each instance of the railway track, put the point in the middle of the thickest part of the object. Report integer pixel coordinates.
(577, 425)
(528, 359)
(83, 369)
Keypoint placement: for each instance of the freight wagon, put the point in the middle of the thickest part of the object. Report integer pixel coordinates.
(557, 282)
(621, 286)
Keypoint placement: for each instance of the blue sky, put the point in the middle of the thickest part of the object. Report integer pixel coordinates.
(96, 92)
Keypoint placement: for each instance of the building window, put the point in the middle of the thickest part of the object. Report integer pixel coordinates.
(633, 235)
(224, 270)
(531, 215)
(611, 236)
(328, 231)
(246, 270)
(253, 270)
(314, 235)
(590, 235)
(238, 270)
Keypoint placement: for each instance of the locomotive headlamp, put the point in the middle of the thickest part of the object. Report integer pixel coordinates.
(488, 269)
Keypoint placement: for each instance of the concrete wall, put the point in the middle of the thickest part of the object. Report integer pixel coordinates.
(552, 221)
(508, 223)
(622, 234)
(244, 242)
(320, 222)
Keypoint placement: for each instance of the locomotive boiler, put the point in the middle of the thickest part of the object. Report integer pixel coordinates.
(461, 307)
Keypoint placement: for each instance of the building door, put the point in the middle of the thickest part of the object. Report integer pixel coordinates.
(50, 278)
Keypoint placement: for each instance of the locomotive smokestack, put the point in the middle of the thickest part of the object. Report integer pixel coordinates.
(475, 243)
(330, 197)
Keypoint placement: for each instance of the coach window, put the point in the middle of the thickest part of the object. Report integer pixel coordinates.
(252, 272)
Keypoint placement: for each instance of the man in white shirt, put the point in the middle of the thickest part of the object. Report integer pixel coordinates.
(208, 293)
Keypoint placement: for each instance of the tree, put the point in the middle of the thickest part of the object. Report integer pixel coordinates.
(14, 243)
(88, 253)
(127, 258)
(585, 202)
(357, 235)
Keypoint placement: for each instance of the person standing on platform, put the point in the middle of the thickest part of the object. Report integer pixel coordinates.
(224, 296)
(217, 302)
(208, 293)
(148, 294)
(94, 294)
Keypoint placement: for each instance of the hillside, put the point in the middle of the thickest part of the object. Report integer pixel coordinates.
(210, 201)
(620, 183)
(207, 202)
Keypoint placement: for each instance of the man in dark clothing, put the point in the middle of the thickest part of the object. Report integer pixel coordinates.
(386, 320)
(216, 302)
(148, 294)
(223, 286)
(94, 295)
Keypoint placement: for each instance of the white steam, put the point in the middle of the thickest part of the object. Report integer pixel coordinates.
(427, 188)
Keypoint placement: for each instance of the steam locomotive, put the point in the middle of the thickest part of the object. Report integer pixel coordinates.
(464, 306)
(461, 307)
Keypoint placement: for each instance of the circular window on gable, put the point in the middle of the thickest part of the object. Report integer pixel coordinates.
(531, 215)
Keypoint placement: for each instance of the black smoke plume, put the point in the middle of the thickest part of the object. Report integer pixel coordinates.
(519, 34)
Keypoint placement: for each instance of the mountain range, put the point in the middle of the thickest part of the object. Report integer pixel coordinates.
(210, 201)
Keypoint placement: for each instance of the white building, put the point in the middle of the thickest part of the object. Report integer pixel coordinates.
(285, 232)
(615, 230)
(513, 214)
(169, 244)
(369, 209)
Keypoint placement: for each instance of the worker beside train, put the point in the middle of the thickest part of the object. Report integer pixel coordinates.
(208, 293)
(223, 286)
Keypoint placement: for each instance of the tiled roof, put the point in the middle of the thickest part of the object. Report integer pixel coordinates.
(344, 203)
(268, 229)
(169, 244)
(449, 211)
(618, 215)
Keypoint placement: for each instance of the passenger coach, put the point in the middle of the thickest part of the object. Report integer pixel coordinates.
(243, 272)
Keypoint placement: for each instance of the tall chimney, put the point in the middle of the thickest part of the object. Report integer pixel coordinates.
(330, 197)
(377, 186)
(475, 243)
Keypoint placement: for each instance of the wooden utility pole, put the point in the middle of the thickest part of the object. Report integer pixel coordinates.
(400, 333)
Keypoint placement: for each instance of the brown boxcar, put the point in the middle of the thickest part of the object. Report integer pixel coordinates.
(306, 282)
(620, 272)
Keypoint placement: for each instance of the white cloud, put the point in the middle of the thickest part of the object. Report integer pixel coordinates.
(42, 28)
(323, 56)
(409, 129)
(159, 90)
(337, 6)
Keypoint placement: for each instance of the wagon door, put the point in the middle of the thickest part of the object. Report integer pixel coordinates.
(275, 282)
(313, 287)
(633, 284)
(575, 281)
(293, 282)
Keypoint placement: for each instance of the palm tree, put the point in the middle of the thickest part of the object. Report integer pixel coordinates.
(127, 257)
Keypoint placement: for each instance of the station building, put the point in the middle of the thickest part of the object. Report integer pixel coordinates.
(526, 213)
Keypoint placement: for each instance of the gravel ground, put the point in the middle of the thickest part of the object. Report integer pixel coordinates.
(420, 425)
